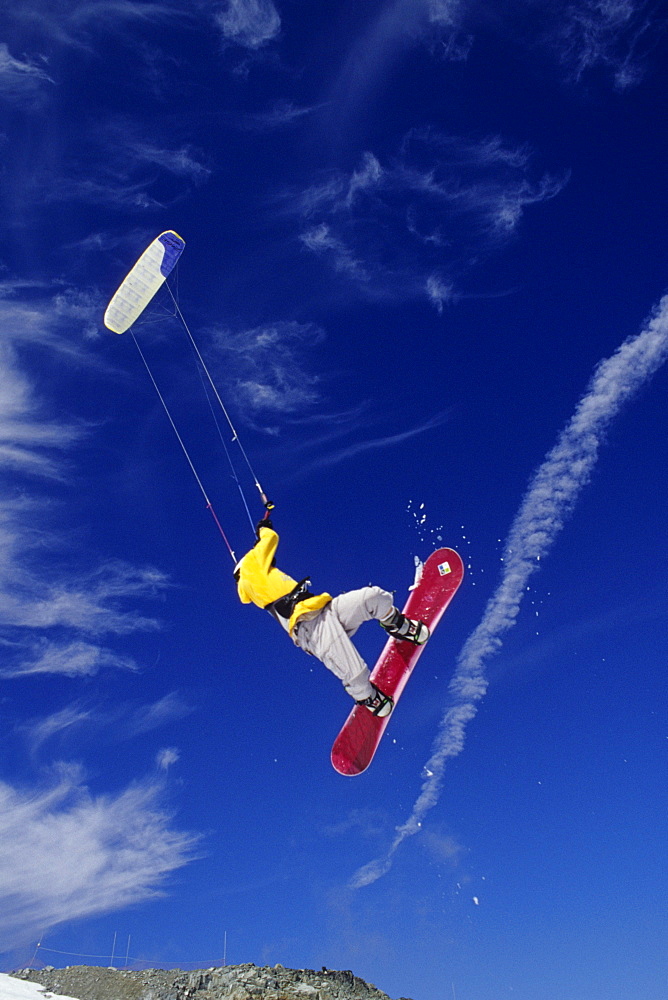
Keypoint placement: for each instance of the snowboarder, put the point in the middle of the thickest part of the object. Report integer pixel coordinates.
(322, 625)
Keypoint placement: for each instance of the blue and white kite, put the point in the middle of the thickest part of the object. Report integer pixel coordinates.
(143, 281)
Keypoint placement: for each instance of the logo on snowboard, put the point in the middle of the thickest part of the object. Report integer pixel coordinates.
(444, 569)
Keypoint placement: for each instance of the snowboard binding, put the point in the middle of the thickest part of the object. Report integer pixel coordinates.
(378, 704)
(408, 629)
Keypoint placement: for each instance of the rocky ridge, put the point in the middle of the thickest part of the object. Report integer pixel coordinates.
(230, 982)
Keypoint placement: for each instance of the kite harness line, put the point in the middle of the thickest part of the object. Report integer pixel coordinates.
(235, 436)
(131, 298)
(209, 505)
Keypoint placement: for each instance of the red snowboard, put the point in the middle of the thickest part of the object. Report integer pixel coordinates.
(358, 741)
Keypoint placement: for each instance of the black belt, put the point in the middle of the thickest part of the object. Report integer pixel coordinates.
(285, 605)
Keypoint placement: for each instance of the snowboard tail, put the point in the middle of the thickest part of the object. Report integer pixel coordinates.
(356, 744)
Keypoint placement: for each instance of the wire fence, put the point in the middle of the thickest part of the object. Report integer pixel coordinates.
(122, 959)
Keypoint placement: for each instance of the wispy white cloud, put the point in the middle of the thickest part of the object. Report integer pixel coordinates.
(368, 823)
(29, 440)
(251, 24)
(114, 12)
(396, 26)
(91, 603)
(443, 847)
(53, 617)
(57, 318)
(549, 501)
(446, 13)
(321, 240)
(614, 34)
(40, 730)
(266, 366)
(52, 612)
(114, 165)
(375, 444)
(166, 757)
(160, 713)
(112, 192)
(120, 722)
(85, 27)
(76, 23)
(442, 202)
(483, 186)
(613, 37)
(21, 81)
(112, 851)
(367, 178)
(107, 241)
(73, 658)
(282, 114)
(181, 161)
(440, 292)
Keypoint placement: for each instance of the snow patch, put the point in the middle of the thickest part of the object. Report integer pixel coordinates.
(18, 989)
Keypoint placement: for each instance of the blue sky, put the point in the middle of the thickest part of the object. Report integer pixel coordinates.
(426, 264)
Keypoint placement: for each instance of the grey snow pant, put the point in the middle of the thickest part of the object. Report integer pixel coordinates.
(327, 636)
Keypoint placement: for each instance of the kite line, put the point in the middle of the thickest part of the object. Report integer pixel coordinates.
(235, 436)
(127, 304)
(209, 505)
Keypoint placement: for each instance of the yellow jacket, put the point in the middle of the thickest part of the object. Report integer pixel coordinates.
(260, 582)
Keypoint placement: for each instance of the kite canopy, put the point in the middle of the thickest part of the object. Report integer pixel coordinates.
(143, 281)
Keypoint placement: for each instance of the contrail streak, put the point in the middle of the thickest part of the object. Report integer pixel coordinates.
(549, 500)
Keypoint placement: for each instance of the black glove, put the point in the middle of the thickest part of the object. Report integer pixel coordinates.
(264, 523)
